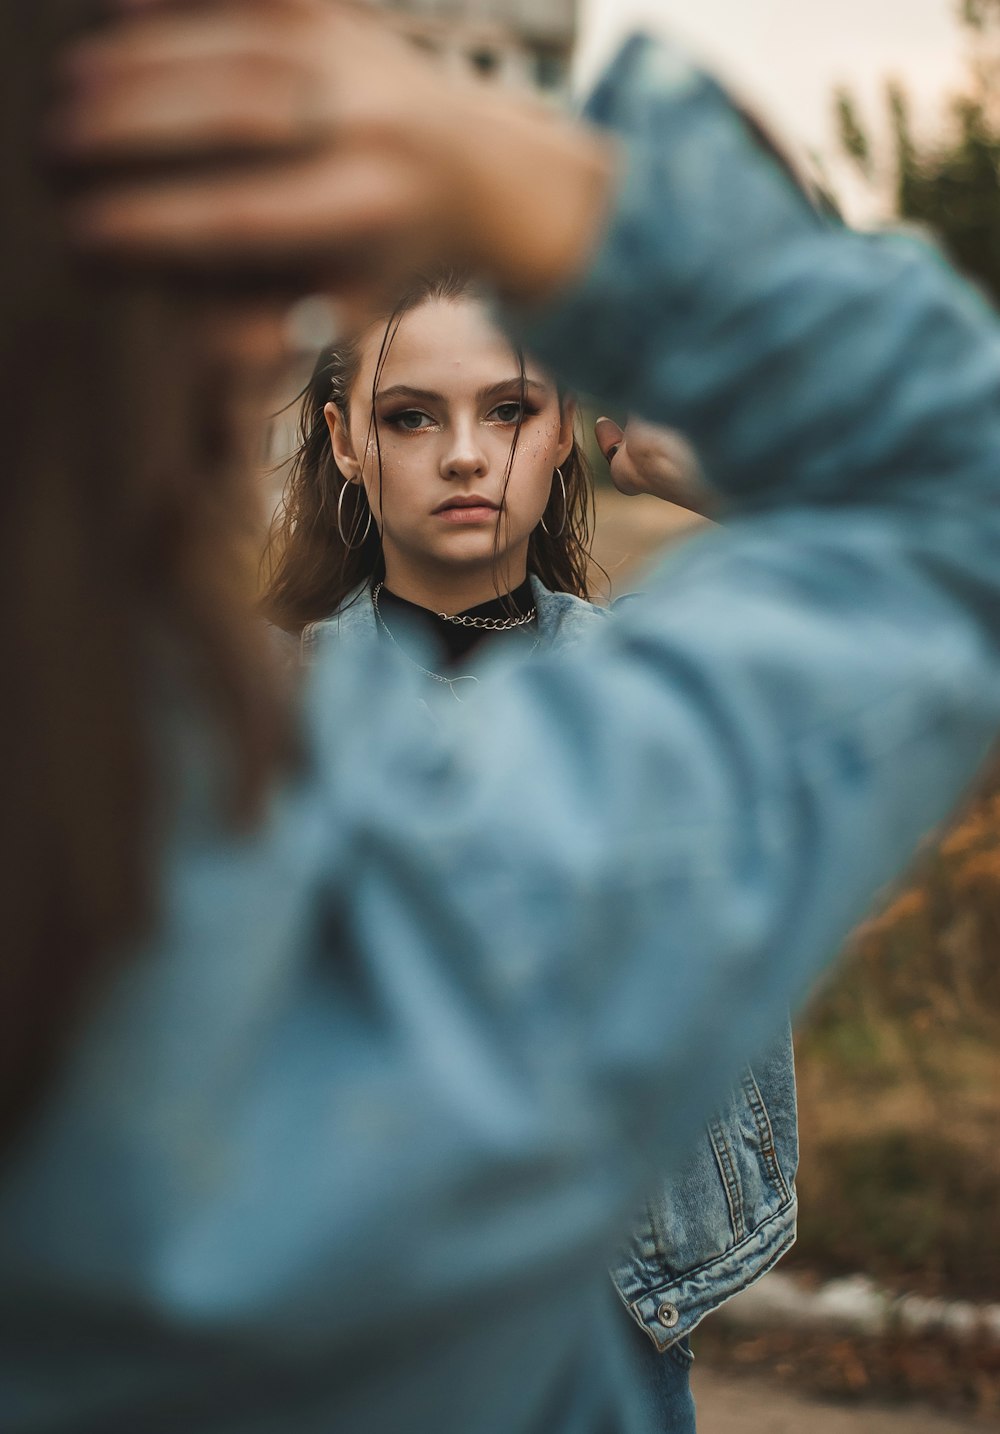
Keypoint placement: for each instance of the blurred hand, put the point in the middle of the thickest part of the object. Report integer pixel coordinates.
(303, 140)
(645, 459)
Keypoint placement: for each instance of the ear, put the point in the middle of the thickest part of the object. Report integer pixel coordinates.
(567, 426)
(340, 441)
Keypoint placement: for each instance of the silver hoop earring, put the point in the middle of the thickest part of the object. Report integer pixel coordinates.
(351, 547)
(562, 525)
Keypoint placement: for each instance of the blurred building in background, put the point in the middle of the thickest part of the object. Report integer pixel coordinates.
(528, 43)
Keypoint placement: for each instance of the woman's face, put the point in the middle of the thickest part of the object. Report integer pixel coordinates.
(447, 404)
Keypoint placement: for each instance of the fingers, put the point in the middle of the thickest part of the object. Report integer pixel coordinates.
(245, 104)
(172, 83)
(311, 217)
(173, 39)
(667, 467)
(609, 437)
(660, 453)
(211, 90)
(613, 443)
(643, 458)
(260, 131)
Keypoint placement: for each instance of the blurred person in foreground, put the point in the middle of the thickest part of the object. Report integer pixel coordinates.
(324, 1100)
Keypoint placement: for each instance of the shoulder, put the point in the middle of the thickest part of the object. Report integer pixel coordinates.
(353, 622)
(562, 617)
(284, 645)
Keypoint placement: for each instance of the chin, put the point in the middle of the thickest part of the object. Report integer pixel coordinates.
(461, 554)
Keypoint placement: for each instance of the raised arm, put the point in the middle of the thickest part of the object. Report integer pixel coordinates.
(670, 831)
(615, 872)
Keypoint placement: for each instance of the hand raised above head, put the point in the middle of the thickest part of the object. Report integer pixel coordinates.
(305, 140)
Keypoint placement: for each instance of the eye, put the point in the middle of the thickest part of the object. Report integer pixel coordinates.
(410, 420)
(508, 412)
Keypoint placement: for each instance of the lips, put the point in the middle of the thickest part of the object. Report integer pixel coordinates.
(467, 510)
(465, 500)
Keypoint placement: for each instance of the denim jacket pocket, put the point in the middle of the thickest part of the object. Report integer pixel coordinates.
(725, 1216)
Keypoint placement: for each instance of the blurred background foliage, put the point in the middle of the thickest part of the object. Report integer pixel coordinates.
(899, 1058)
(948, 185)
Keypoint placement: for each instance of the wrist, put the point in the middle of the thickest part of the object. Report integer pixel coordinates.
(534, 212)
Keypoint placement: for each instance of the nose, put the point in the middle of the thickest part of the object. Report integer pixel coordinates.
(464, 455)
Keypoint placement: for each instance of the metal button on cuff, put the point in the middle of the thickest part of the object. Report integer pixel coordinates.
(668, 1315)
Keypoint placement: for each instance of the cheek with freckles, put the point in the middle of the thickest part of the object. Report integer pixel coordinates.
(534, 467)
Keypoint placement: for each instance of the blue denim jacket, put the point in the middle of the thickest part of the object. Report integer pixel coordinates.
(726, 1214)
(345, 1145)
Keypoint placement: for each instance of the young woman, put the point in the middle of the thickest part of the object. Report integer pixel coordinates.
(437, 469)
(324, 1107)
(438, 505)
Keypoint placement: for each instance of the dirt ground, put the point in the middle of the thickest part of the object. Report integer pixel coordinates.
(753, 1404)
(628, 531)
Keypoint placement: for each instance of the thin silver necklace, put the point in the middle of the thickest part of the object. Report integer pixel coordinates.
(450, 682)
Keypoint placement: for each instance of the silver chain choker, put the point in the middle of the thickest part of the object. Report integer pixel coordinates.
(485, 624)
(490, 624)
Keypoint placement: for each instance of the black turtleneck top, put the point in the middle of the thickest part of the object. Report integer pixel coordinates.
(451, 639)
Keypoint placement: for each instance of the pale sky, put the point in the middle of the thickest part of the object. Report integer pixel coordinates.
(789, 55)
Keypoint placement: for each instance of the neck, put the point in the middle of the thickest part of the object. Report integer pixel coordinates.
(453, 592)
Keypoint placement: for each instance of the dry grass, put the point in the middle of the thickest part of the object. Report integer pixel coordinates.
(962, 1380)
(900, 1082)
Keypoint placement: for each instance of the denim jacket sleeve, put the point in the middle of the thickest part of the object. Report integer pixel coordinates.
(745, 756)
(380, 1095)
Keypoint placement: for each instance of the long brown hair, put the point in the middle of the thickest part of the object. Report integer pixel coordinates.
(310, 569)
(124, 583)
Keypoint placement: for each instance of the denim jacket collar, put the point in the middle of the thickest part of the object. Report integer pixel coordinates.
(562, 619)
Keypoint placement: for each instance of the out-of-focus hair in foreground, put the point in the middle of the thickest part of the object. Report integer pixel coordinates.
(124, 545)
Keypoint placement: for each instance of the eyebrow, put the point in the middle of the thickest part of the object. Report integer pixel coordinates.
(493, 390)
